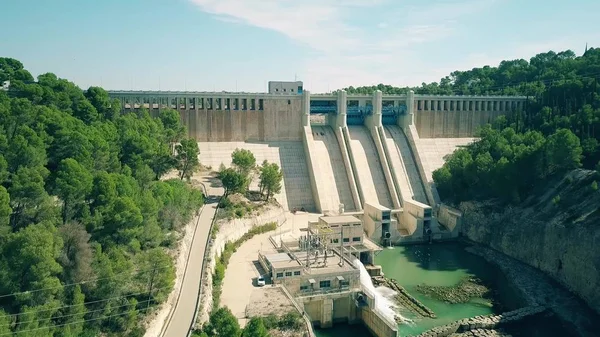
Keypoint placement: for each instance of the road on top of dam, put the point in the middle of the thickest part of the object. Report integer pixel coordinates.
(184, 312)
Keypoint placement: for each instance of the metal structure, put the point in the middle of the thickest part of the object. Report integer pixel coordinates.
(317, 244)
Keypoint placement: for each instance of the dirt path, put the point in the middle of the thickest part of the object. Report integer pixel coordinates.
(240, 277)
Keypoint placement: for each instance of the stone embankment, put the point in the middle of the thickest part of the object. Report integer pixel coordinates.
(403, 297)
(534, 289)
(481, 333)
(482, 325)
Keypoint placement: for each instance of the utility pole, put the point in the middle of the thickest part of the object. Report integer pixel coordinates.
(341, 246)
(150, 286)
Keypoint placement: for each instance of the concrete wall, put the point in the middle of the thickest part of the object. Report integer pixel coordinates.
(293, 284)
(459, 116)
(412, 136)
(280, 119)
(376, 325)
(324, 311)
(449, 124)
(450, 218)
(339, 134)
(315, 182)
(376, 133)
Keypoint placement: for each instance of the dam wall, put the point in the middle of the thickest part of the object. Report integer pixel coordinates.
(232, 117)
(460, 116)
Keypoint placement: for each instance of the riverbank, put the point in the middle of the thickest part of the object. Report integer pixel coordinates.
(536, 289)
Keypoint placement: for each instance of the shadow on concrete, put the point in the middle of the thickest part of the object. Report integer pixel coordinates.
(213, 181)
(406, 153)
(326, 135)
(295, 172)
(211, 199)
(261, 271)
(363, 136)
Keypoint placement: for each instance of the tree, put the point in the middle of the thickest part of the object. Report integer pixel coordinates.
(26, 193)
(104, 191)
(233, 181)
(76, 255)
(5, 211)
(187, 157)
(270, 179)
(103, 167)
(244, 161)
(73, 183)
(3, 168)
(11, 69)
(107, 108)
(5, 322)
(222, 323)
(171, 121)
(74, 314)
(156, 276)
(30, 255)
(563, 151)
(255, 328)
(122, 223)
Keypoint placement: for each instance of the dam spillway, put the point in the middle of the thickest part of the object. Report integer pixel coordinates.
(368, 167)
(372, 155)
(336, 185)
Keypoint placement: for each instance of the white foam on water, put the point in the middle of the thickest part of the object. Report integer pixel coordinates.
(383, 296)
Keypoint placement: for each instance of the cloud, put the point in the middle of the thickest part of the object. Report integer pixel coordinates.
(348, 53)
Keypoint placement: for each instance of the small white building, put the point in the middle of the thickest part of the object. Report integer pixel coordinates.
(286, 88)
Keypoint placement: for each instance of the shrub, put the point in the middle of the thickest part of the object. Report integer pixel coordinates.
(290, 321)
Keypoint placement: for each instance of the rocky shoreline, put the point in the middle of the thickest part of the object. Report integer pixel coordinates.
(482, 325)
(535, 289)
(464, 291)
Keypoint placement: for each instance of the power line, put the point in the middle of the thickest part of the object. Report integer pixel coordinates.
(70, 323)
(82, 282)
(80, 304)
(70, 315)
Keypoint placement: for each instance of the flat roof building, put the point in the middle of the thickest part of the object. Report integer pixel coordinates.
(285, 88)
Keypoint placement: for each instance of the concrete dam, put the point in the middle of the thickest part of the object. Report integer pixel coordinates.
(370, 156)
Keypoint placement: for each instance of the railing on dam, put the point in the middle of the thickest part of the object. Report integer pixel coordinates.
(322, 109)
(393, 110)
(358, 110)
(323, 291)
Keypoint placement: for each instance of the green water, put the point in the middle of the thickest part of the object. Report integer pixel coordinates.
(439, 264)
(445, 265)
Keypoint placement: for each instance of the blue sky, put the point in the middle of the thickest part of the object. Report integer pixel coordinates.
(241, 44)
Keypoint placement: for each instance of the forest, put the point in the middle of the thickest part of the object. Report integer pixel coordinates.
(87, 225)
(554, 133)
